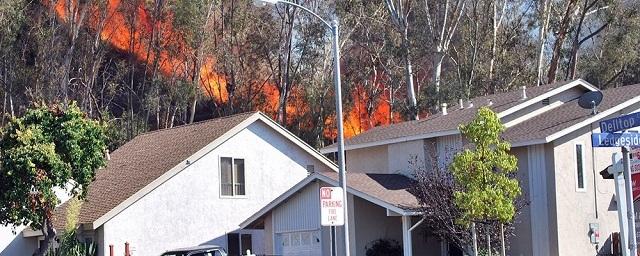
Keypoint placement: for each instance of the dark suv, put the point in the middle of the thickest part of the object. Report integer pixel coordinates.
(203, 250)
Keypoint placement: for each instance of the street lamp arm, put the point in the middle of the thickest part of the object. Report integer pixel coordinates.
(308, 11)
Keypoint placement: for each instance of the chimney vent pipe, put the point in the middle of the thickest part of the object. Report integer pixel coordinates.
(444, 109)
(524, 92)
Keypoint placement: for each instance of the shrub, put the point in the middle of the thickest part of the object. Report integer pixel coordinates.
(384, 247)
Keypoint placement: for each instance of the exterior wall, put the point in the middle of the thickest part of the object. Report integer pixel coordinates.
(372, 223)
(538, 197)
(300, 213)
(392, 158)
(369, 222)
(595, 203)
(401, 156)
(268, 235)
(447, 147)
(520, 244)
(15, 244)
(191, 201)
(369, 160)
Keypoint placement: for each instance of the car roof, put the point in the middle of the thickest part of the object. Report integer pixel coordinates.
(196, 248)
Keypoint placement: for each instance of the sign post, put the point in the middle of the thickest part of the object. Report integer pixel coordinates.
(332, 212)
(625, 140)
(630, 211)
(618, 179)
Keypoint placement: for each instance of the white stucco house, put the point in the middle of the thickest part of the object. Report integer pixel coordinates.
(189, 185)
(557, 168)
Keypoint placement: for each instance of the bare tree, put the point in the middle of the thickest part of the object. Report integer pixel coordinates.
(589, 8)
(442, 18)
(561, 34)
(496, 22)
(400, 11)
(543, 18)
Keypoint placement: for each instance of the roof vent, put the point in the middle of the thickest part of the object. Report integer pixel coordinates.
(545, 102)
(106, 155)
(489, 102)
(444, 109)
(461, 103)
(524, 92)
(470, 104)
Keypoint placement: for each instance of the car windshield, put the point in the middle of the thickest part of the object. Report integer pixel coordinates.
(185, 253)
(175, 254)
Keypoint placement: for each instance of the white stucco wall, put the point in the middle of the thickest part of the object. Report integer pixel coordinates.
(575, 209)
(187, 209)
(14, 244)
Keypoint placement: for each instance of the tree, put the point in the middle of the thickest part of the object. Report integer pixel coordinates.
(400, 11)
(48, 148)
(484, 173)
(442, 20)
(561, 33)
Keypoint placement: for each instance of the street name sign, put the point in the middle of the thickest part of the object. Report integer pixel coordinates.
(620, 123)
(627, 139)
(331, 206)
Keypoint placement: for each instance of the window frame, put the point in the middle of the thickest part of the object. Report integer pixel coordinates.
(575, 164)
(234, 194)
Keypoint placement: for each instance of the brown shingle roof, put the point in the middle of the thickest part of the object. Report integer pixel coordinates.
(566, 115)
(442, 123)
(145, 158)
(389, 188)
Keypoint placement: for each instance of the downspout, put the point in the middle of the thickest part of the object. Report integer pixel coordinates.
(416, 225)
(406, 234)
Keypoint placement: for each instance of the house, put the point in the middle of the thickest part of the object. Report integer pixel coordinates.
(557, 168)
(192, 185)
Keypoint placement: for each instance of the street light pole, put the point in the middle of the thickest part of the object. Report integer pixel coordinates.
(335, 34)
(340, 135)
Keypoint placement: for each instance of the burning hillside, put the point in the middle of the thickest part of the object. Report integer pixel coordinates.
(130, 27)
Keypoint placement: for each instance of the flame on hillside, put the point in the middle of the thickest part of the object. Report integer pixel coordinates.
(133, 36)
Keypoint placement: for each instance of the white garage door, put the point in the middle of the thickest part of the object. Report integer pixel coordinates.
(306, 243)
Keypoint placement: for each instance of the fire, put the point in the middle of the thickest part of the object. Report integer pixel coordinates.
(132, 36)
(359, 118)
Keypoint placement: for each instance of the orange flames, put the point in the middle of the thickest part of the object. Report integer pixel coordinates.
(365, 114)
(131, 34)
(175, 58)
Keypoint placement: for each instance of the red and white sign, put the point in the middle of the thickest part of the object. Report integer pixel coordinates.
(635, 173)
(331, 206)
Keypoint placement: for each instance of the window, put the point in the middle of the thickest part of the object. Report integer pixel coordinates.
(232, 177)
(580, 167)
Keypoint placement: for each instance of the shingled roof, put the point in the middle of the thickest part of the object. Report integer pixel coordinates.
(147, 157)
(542, 126)
(390, 191)
(440, 125)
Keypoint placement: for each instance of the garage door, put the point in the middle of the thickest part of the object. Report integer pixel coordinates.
(306, 243)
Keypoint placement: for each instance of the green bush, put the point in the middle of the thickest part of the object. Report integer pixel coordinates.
(71, 246)
(384, 247)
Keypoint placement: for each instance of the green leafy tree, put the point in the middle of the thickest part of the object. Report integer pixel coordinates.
(484, 173)
(47, 148)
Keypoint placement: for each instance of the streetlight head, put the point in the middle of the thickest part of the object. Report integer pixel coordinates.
(262, 3)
